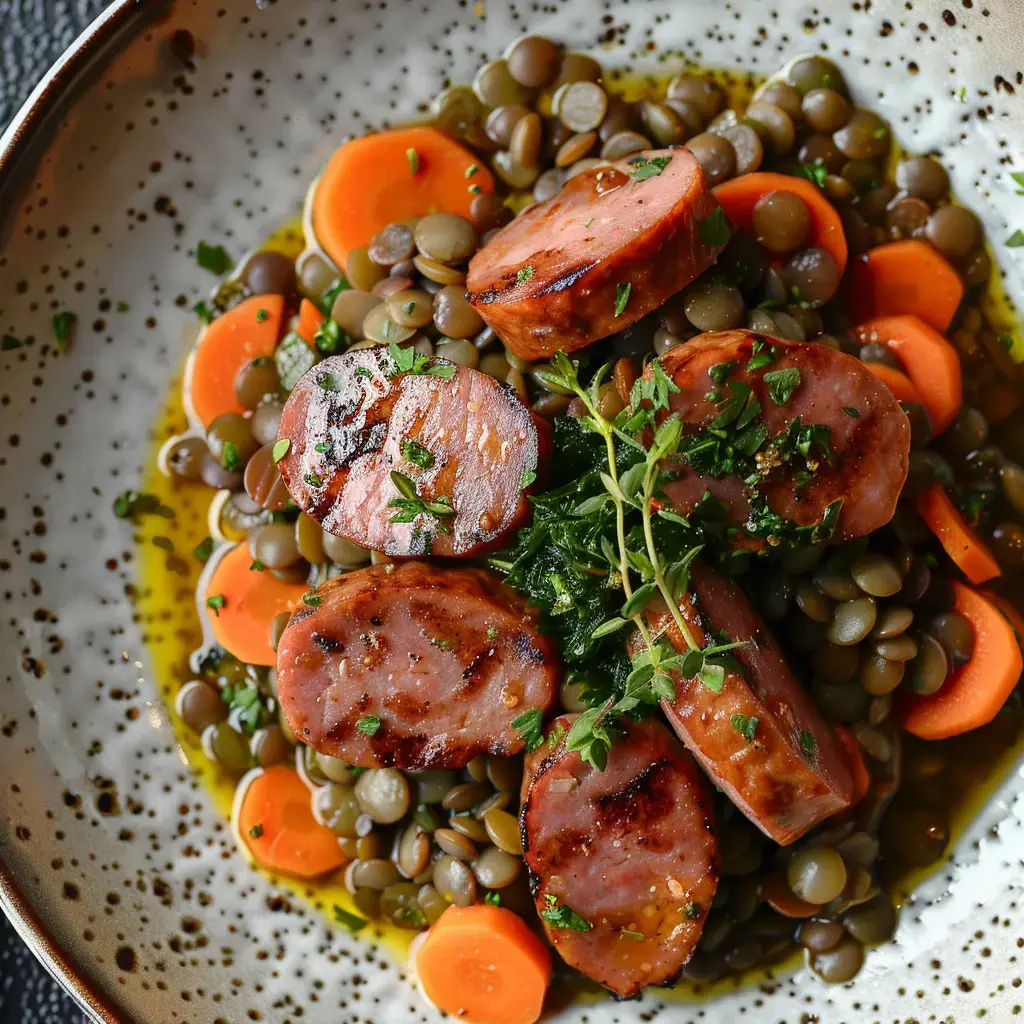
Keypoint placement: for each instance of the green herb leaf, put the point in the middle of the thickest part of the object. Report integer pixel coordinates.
(311, 599)
(524, 274)
(808, 745)
(715, 230)
(215, 602)
(369, 725)
(639, 600)
(330, 338)
(851, 412)
(414, 159)
(1015, 240)
(782, 384)
(202, 551)
(261, 315)
(1018, 177)
(213, 258)
(644, 168)
(608, 627)
(256, 566)
(745, 725)
(760, 360)
(230, 457)
(559, 915)
(493, 899)
(326, 301)
(816, 172)
(471, 170)
(256, 832)
(531, 727)
(555, 736)
(280, 449)
(63, 328)
(622, 297)
(692, 911)
(528, 478)
(132, 504)
(203, 311)
(417, 454)
(712, 676)
(312, 479)
(350, 921)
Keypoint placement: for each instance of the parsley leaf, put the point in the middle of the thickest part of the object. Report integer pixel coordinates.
(280, 449)
(213, 258)
(622, 297)
(203, 311)
(523, 274)
(63, 329)
(256, 832)
(369, 725)
(1018, 177)
(782, 384)
(408, 360)
(493, 899)
(261, 315)
(202, 551)
(132, 504)
(330, 338)
(531, 727)
(715, 230)
(563, 916)
(808, 745)
(745, 725)
(215, 602)
(1016, 240)
(411, 505)
(417, 454)
(350, 921)
(644, 168)
(230, 457)
(816, 172)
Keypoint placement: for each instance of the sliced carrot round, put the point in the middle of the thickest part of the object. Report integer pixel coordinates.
(275, 821)
(858, 769)
(898, 383)
(903, 277)
(974, 694)
(310, 319)
(224, 347)
(930, 361)
(739, 196)
(242, 603)
(483, 965)
(960, 542)
(378, 179)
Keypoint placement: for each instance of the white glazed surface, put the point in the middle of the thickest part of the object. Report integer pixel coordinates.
(157, 157)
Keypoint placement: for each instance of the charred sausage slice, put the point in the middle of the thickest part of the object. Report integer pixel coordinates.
(624, 863)
(614, 244)
(445, 659)
(868, 435)
(458, 436)
(759, 738)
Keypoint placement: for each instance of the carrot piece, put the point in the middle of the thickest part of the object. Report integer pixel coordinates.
(930, 361)
(483, 965)
(738, 196)
(975, 692)
(242, 603)
(858, 769)
(1010, 613)
(903, 277)
(310, 319)
(961, 543)
(898, 383)
(378, 179)
(224, 347)
(275, 821)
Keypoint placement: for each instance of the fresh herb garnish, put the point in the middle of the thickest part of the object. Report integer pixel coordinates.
(280, 449)
(531, 728)
(202, 551)
(493, 899)
(63, 328)
(850, 411)
(1005, 342)
(408, 360)
(326, 301)
(330, 338)
(369, 725)
(471, 170)
(350, 921)
(559, 915)
(816, 172)
(417, 454)
(1016, 239)
(745, 725)
(312, 599)
(322, 447)
(203, 311)
(524, 274)
(256, 832)
(692, 911)
(230, 457)
(132, 504)
(312, 479)
(622, 297)
(644, 168)
(1018, 177)
(782, 384)
(555, 736)
(714, 230)
(213, 258)
(261, 315)
(414, 159)
(528, 478)
(808, 745)
(256, 566)
(215, 602)
(411, 505)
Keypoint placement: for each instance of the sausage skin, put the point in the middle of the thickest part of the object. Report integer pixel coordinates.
(446, 659)
(790, 772)
(553, 279)
(632, 850)
(352, 420)
(870, 433)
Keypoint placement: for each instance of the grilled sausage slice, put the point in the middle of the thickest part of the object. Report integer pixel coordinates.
(760, 738)
(457, 436)
(612, 245)
(624, 863)
(868, 434)
(413, 666)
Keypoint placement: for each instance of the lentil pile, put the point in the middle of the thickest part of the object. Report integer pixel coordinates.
(863, 624)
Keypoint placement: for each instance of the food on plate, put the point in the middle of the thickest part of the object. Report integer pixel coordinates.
(603, 502)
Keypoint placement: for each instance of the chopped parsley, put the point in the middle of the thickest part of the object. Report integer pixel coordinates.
(808, 744)
(1018, 177)
(256, 832)
(261, 315)
(880, 133)
(1016, 239)
(745, 725)
(202, 551)
(215, 602)
(132, 504)
(531, 727)
(782, 384)
(411, 505)
(471, 170)
(715, 230)
(312, 479)
(528, 478)
(369, 725)
(256, 566)
(322, 447)
(408, 360)
(230, 457)
(523, 274)
(961, 94)
(644, 168)
(213, 258)
(414, 160)
(691, 911)
(330, 338)
(559, 915)
(850, 411)
(350, 921)
(311, 599)
(555, 736)
(622, 297)
(326, 301)
(493, 899)
(816, 172)
(203, 311)
(417, 454)
(280, 449)
(63, 329)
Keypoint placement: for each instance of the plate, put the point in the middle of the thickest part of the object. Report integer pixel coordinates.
(204, 122)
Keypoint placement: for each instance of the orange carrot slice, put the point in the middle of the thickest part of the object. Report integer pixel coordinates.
(930, 361)
(310, 319)
(858, 769)
(898, 383)
(1011, 613)
(903, 277)
(961, 543)
(276, 823)
(376, 180)
(738, 196)
(483, 965)
(973, 695)
(242, 603)
(225, 346)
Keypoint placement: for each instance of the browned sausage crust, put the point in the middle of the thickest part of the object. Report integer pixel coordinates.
(445, 659)
(630, 850)
(556, 277)
(869, 434)
(760, 738)
(464, 439)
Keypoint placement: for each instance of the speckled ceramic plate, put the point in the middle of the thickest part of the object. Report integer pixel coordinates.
(116, 865)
